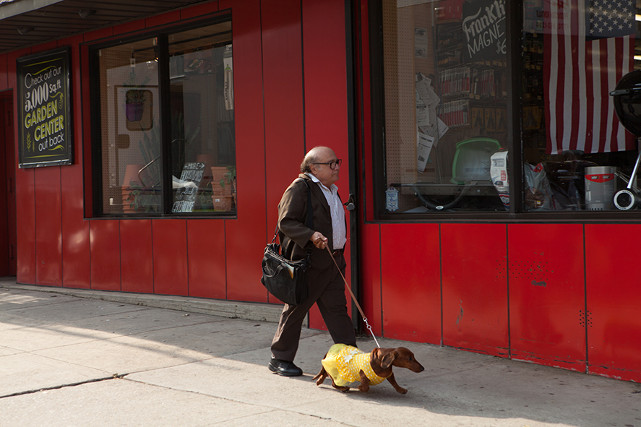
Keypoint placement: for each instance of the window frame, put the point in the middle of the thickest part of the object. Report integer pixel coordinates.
(161, 33)
(514, 68)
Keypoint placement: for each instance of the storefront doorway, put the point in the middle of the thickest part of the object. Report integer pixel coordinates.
(7, 187)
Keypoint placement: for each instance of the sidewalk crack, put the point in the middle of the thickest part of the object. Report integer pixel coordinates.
(57, 387)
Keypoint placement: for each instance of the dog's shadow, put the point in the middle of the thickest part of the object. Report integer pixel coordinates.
(381, 393)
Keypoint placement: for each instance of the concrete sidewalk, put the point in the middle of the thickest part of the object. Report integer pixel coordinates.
(69, 360)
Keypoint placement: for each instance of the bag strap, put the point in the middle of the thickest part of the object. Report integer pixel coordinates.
(309, 219)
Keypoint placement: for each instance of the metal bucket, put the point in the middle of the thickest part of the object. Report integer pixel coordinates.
(600, 186)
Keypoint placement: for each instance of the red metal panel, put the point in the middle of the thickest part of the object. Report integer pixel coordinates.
(207, 263)
(613, 300)
(170, 256)
(162, 19)
(411, 282)
(283, 100)
(474, 263)
(25, 197)
(48, 226)
(3, 72)
(324, 55)
(85, 135)
(364, 119)
(246, 240)
(76, 257)
(105, 255)
(129, 27)
(325, 74)
(370, 258)
(6, 165)
(199, 10)
(136, 256)
(547, 297)
(26, 226)
(44, 47)
(98, 34)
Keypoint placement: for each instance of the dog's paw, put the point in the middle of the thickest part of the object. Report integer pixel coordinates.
(402, 390)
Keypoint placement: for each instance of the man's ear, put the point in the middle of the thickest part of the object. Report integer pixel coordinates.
(388, 359)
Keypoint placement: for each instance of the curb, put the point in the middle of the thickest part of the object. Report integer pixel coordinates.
(262, 312)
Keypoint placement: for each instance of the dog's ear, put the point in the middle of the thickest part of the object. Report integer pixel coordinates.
(388, 359)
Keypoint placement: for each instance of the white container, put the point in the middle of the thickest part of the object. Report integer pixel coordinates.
(600, 186)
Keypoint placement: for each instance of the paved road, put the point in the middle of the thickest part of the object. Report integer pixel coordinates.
(68, 360)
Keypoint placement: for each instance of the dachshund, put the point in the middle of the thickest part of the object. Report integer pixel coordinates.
(347, 364)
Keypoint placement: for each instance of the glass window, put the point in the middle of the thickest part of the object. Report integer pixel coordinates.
(166, 124)
(577, 154)
(445, 109)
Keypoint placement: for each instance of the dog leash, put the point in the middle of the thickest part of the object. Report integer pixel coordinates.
(360, 310)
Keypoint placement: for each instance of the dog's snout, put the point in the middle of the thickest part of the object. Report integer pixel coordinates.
(417, 368)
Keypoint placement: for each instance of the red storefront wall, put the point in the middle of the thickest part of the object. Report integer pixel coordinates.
(555, 294)
(285, 103)
(564, 295)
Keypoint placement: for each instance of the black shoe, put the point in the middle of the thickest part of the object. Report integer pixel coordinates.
(284, 368)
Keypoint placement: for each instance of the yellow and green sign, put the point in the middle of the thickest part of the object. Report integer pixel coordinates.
(44, 109)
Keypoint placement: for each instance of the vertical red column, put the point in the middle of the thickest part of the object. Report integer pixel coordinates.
(76, 257)
(104, 240)
(6, 145)
(170, 256)
(245, 236)
(136, 255)
(207, 260)
(283, 99)
(25, 196)
(411, 282)
(474, 262)
(325, 83)
(370, 272)
(547, 297)
(613, 300)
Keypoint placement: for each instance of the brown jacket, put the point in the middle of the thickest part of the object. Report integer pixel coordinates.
(292, 213)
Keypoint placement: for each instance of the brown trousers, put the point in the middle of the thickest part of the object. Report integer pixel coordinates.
(327, 290)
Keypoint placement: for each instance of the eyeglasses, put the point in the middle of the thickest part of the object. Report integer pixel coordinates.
(332, 165)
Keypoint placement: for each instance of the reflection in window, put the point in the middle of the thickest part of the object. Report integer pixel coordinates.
(187, 163)
(445, 106)
(576, 153)
(131, 128)
(202, 111)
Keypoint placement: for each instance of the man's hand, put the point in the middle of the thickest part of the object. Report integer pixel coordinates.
(319, 240)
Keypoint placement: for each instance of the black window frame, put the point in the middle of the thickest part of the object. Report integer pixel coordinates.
(161, 33)
(517, 212)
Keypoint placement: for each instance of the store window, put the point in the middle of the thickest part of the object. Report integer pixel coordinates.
(577, 154)
(442, 140)
(166, 124)
(445, 109)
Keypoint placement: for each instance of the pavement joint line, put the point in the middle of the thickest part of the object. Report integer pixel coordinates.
(58, 387)
(269, 409)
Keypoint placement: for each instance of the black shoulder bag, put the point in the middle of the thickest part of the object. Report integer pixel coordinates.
(286, 279)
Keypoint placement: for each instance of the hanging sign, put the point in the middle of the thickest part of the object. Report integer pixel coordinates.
(44, 109)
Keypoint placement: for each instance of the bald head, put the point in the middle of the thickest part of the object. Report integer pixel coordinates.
(313, 156)
(323, 164)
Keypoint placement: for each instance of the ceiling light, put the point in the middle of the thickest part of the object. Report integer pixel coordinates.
(24, 30)
(84, 13)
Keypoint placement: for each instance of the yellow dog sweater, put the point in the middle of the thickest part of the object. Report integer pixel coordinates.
(344, 363)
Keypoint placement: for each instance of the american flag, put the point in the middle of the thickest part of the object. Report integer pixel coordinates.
(588, 47)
